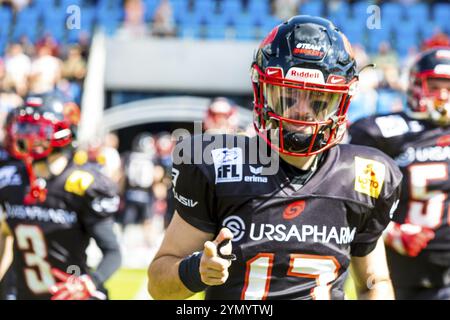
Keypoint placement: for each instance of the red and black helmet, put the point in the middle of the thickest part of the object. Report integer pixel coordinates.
(44, 123)
(428, 95)
(303, 75)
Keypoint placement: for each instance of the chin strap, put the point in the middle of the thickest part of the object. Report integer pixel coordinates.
(38, 191)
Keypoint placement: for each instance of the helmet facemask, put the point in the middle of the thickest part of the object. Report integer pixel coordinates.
(299, 118)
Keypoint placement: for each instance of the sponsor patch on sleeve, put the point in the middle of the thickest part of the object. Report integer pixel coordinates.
(369, 176)
(78, 182)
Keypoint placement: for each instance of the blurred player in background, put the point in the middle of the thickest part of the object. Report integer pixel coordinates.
(139, 172)
(295, 232)
(419, 237)
(221, 116)
(162, 186)
(53, 207)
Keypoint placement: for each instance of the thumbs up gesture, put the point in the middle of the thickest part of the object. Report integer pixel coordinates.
(213, 268)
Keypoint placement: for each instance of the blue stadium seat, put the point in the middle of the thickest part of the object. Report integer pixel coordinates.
(54, 25)
(109, 19)
(215, 20)
(339, 12)
(441, 13)
(354, 29)
(230, 7)
(215, 32)
(428, 29)
(376, 36)
(180, 9)
(245, 32)
(243, 19)
(5, 21)
(391, 11)
(190, 32)
(43, 6)
(417, 11)
(26, 24)
(150, 9)
(205, 6)
(313, 8)
(2, 45)
(258, 7)
(67, 3)
(359, 9)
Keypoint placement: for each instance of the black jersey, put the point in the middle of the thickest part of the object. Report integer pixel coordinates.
(55, 233)
(293, 240)
(422, 151)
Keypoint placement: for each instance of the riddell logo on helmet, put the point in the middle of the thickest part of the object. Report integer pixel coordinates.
(307, 75)
(308, 49)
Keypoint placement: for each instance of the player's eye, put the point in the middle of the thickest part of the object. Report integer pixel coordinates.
(318, 105)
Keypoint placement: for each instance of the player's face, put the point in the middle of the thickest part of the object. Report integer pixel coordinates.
(301, 105)
(437, 96)
(32, 138)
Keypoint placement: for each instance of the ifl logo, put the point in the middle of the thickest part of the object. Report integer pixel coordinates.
(228, 164)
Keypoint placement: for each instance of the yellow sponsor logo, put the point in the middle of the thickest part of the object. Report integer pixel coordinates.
(369, 176)
(78, 182)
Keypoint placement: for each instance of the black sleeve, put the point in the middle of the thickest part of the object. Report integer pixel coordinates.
(101, 198)
(359, 133)
(194, 196)
(377, 219)
(102, 232)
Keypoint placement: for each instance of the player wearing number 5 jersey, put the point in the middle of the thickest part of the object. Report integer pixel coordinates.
(419, 140)
(246, 228)
(53, 207)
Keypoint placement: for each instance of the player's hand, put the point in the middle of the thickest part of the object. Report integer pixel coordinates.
(213, 269)
(73, 287)
(409, 239)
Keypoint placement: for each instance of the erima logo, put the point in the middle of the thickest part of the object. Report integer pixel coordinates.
(227, 164)
(256, 170)
(9, 177)
(256, 178)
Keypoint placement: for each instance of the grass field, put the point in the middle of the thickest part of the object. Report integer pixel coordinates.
(131, 284)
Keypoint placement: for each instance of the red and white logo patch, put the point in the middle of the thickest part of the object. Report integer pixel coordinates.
(333, 79)
(308, 49)
(274, 72)
(306, 75)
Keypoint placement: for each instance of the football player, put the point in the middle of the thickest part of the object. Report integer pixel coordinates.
(54, 207)
(221, 116)
(292, 234)
(418, 239)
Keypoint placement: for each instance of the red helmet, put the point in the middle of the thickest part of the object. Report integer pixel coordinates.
(303, 75)
(428, 95)
(43, 123)
(221, 115)
(33, 131)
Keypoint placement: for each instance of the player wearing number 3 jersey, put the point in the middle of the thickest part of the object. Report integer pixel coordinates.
(289, 225)
(419, 141)
(52, 207)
